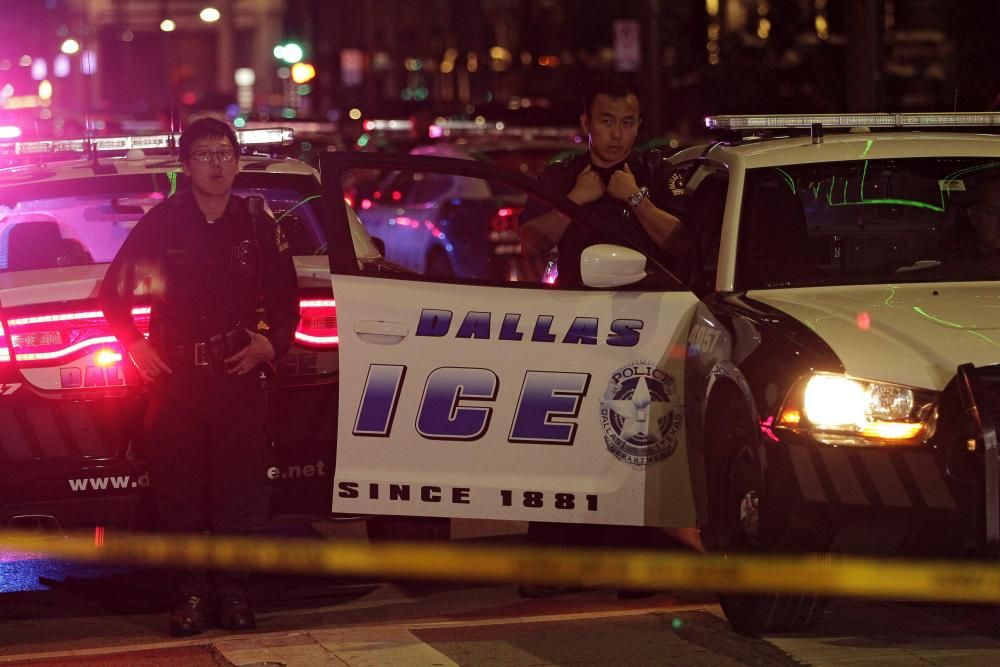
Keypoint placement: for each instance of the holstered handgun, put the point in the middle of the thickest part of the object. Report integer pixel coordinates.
(224, 345)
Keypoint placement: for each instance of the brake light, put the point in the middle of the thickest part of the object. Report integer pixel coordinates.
(318, 323)
(107, 357)
(63, 336)
(503, 230)
(503, 222)
(4, 349)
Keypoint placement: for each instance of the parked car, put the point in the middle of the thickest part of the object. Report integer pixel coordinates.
(453, 225)
(70, 401)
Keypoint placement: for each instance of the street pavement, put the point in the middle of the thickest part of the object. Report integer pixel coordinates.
(423, 624)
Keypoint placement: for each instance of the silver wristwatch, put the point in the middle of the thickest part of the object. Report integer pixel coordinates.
(636, 198)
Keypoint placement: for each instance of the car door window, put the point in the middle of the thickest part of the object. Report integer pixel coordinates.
(449, 226)
(460, 227)
(427, 189)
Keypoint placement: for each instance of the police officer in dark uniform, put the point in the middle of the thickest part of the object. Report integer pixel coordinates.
(640, 195)
(208, 260)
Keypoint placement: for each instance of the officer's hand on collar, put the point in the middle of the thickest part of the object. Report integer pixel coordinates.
(589, 187)
(256, 352)
(622, 184)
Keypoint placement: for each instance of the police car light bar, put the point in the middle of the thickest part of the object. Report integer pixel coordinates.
(907, 120)
(271, 136)
(387, 125)
(465, 128)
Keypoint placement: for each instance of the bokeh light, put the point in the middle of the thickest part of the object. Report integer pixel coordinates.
(210, 15)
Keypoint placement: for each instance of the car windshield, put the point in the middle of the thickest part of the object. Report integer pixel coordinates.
(870, 222)
(85, 221)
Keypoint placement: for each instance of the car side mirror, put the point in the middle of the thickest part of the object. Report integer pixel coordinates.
(605, 265)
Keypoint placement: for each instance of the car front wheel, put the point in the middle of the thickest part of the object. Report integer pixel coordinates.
(739, 525)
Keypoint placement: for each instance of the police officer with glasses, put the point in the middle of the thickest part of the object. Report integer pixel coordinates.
(209, 261)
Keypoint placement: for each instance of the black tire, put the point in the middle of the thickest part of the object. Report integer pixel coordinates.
(737, 489)
(409, 529)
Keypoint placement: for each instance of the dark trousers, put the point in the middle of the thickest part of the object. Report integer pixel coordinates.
(205, 443)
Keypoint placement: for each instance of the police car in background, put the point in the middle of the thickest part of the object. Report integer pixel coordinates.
(824, 381)
(70, 404)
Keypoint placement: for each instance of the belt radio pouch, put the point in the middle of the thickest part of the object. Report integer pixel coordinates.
(224, 345)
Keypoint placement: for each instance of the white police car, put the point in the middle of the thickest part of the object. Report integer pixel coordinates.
(804, 393)
(70, 405)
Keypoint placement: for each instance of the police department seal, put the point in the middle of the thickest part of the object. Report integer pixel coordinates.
(641, 414)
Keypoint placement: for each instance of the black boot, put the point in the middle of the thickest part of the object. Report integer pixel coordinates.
(235, 613)
(188, 617)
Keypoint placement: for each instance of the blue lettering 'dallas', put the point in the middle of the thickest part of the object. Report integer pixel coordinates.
(478, 325)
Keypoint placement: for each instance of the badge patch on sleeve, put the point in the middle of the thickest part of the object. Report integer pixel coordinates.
(280, 240)
(676, 184)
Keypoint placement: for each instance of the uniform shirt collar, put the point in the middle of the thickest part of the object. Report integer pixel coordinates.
(605, 172)
(232, 206)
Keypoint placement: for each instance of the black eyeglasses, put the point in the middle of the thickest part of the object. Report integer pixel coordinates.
(206, 156)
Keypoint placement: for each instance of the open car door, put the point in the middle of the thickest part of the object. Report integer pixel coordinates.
(473, 383)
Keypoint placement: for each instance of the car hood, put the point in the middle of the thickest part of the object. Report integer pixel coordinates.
(915, 334)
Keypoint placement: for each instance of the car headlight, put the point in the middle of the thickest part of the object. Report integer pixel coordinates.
(840, 410)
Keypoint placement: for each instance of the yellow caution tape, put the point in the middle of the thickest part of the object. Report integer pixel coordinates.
(823, 575)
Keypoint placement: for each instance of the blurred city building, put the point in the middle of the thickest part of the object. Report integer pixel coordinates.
(516, 61)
